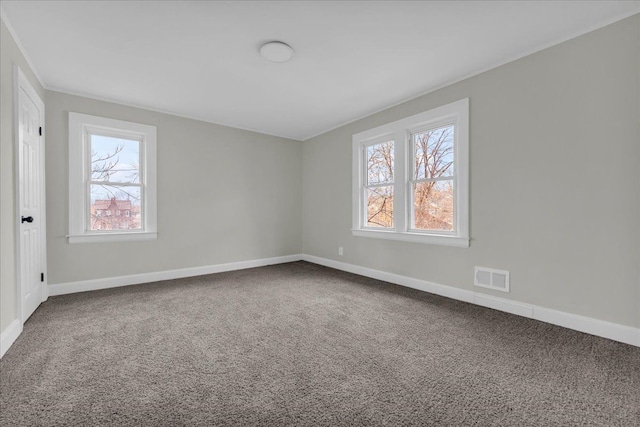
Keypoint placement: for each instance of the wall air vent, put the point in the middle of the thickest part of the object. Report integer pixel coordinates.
(491, 278)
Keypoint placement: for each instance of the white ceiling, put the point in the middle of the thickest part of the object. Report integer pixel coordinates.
(200, 59)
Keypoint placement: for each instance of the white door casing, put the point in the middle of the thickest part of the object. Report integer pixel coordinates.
(30, 198)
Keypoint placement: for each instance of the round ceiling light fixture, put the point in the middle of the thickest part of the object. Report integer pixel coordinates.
(276, 51)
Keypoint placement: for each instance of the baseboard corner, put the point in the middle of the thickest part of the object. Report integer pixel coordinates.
(9, 336)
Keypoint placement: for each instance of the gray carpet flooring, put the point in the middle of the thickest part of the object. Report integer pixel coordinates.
(300, 344)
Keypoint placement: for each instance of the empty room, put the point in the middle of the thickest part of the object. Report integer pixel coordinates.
(320, 213)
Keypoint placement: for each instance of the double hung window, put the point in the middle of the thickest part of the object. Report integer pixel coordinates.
(411, 178)
(112, 179)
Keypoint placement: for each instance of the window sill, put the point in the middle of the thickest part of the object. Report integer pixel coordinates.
(433, 239)
(113, 237)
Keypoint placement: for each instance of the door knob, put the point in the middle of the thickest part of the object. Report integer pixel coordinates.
(27, 219)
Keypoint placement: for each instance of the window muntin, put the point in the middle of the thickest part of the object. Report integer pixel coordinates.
(112, 180)
(427, 200)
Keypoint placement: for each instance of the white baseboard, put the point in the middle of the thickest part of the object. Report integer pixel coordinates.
(601, 328)
(9, 335)
(588, 325)
(134, 279)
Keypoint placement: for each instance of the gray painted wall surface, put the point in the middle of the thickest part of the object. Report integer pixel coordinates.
(9, 55)
(555, 182)
(555, 189)
(224, 195)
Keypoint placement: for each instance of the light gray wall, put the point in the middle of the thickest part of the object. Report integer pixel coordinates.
(9, 55)
(555, 181)
(555, 191)
(224, 195)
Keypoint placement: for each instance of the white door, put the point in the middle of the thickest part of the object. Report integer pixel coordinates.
(30, 200)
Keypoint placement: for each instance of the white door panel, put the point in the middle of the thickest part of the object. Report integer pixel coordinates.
(30, 199)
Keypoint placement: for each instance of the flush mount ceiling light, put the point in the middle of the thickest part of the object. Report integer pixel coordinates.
(276, 51)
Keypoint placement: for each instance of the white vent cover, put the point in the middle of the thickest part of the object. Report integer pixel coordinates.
(491, 278)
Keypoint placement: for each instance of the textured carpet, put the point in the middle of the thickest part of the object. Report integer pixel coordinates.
(300, 344)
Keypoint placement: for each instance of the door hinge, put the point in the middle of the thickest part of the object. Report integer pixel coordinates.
(40, 130)
(42, 277)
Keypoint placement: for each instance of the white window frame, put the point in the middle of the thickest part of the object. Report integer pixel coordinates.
(456, 113)
(80, 126)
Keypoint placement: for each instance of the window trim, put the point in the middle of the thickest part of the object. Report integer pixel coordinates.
(400, 131)
(80, 125)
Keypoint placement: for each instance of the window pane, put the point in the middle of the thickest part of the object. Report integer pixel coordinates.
(115, 159)
(433, 205)
(433, 152)
(380, 206)
(115, 208)
(380, 163)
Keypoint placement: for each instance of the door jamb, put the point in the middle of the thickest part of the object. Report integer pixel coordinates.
(20, 82)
